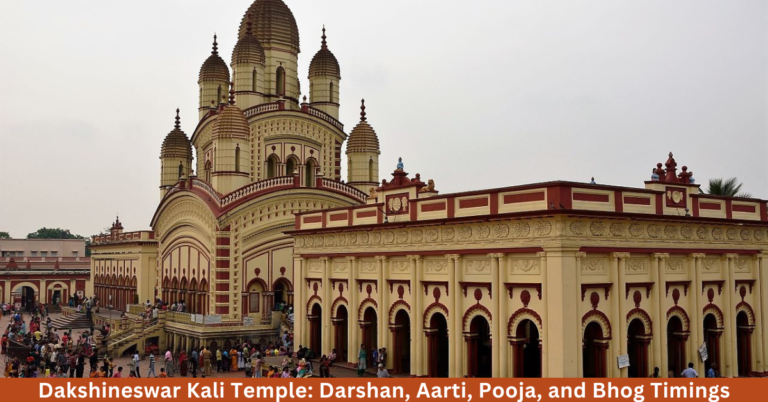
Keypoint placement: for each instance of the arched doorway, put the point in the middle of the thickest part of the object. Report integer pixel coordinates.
(637, 348)
(369, 327)
(309, 173)
(526, 350)
(712, 338)
(340, 327)
(676, 347)
(594, 348)
(479, 348)
(213, 347)
(28, 297)
(401, 341)
(255, 289)
(744, 344)
(280, 291)
(315, 333)
(437, 346)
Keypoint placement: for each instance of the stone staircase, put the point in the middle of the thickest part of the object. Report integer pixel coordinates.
(118, 343)
(76, 321)
(54, 309)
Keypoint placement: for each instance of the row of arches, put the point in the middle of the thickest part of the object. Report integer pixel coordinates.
(193, 294)
(260, 299)
(276, 169)
(115, 291)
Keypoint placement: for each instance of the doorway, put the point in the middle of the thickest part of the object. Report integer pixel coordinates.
(401, 341)
(744, 344)
(594, 351)
(370, 325)
(479, 348)
(340, 327)
(637, 348)
(526, 350)
(676, 347)
(437, 341)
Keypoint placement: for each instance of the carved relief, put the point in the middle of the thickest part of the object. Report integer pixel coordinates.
(478, 266)
(417, 236)
(741, 265)
(319, 241)
(376, 238)
(577, 228)
(329, 240)
(702, 233)
(746, 234)
(316, 266)
(520, 229)
(448, 233)
(618, 229)
(483, 231)
(717, 234)
(401, 266)
(675, 265)
(732, 234)
(341, 240)
(636, 230)
(389, 237)
(711, 265)
(351, 238)
(593, 266)
(368, 266)
(500, 230)
(542, 228)
(465, 232)
(759, 234)
(670, 231)
(636, 266)
(431, 234)
(654, 231)
(597, 228)
(364, 238)
(299, 242)
(436, 266)
(340, 266)
(402, 236)
(525, 266)
(686, 232)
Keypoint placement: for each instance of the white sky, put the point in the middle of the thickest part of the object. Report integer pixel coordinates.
(473, 94)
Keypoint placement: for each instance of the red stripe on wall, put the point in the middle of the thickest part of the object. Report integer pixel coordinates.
(451, 207)
(222, 241)
(313, 219)
(728, 209)
(637, 200)
(764, 211)
(591, 197)
(222, 252)
(473, 203)
(222, 287)
(527, 197)
(366, 214)
(710, 205)
(222, 263)
(222, 309)
(338, 217)
(222, 298)
(437, 206)
(659, 204)
(223, 276)
(618, 201)
(744, 208)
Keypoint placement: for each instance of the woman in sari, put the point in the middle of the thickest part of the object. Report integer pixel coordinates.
(240, 361)
(183, 363)
(233, 358)
(362, 355)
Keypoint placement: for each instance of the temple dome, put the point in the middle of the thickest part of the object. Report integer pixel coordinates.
(273, 23)
(248, 49)
(231, 122)
(214, 68)
(176, 143)
(324, 63)
(363, 138)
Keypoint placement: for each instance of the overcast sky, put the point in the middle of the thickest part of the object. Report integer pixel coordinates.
(473, 94)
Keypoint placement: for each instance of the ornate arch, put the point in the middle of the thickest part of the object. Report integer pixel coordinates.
(285, 281)
(203, 285)
(133, 282)
(524, 314)
(679, 312)
(340, 301)
(367, 302)
(260, 281)
(643, 316)
(397, 306)
(745, 307)
(433, 308)
(22, 284)
(601, 319)
(315, 299)
(474, 311)
(715, 311)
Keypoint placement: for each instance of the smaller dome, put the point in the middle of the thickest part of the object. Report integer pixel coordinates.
(231, 122)
(324, 63)
(363, 138)
(214, 68)
(176, 143)
(248, 49)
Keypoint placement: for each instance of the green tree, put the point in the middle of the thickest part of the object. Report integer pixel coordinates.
(46, 233)
(5, 235)
(726, 188)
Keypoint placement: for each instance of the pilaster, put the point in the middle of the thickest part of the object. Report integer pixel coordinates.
(657, 271)
(730, 369)
(352, 328)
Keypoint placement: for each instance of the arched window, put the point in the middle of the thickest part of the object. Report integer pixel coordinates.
(208, 171)
(370, 172)
(218, 95)
(201, 97)
(290, 166)
(280, 81)
(181, 169)
(309, 174)
(330, 92)
(237, 158)
(271, 166)
(254, 79)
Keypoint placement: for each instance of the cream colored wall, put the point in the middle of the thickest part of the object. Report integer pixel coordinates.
(63, 248)
(227, 176)
(210, 92)
(244, 89)
(320, 95)
(277, 56)
(169, 172)
(358, 173)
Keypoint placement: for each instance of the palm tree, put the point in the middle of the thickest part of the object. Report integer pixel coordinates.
(726, 188)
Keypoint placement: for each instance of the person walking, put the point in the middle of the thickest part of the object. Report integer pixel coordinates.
(690, 372)
(362, 355)
(194, 359)
(151, 372)
(136, 359)
(218, 360)
(169, 362)
(207, 361)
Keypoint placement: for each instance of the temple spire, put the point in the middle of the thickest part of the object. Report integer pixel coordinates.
(178, 120)
(325, 45)
(232, 93)
(215, 50)
(362, 110)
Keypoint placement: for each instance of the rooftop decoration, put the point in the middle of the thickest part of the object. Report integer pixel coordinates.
(669, 175)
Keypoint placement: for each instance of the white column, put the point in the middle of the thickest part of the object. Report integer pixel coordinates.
(298, 300)
(579, 341)
(758, 353)
(503, 300)
(417, 325)
(544, 313)
(763, 292)
(352, 325)
(495, 317)
(455, 332)
(657, 266)
(325, 324)
(617, 337)
(729, 349)
(383, 318)
(697, 319)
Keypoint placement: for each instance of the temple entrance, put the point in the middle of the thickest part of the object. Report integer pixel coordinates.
(280, 292)
(401, 341)
(594, 351)
(315, 333)
(637, 348)
(712, 338)
(27, 298)
(340, 327)
(437, 346)
(744, 344)
(479, 348)
(676, 347)
(56, 296)
(370, 325)
(526, 350)
(213, 347)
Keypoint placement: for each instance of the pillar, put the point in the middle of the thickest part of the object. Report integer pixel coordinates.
(325, 322)
(562, 316)
(503, 318)
(657, 267)
(496, 297)
(299, 319)
(352, 327)
(729, 349)
(455, 330)
(578, 345)
(383, 313)
(696, 315)
(758, 339)
(762, 279)
(618, 341)
(416, 317)
(544, 313)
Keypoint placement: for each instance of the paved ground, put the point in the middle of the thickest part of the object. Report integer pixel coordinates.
(336, 371)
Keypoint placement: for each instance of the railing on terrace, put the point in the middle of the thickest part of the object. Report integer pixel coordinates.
(263, 108)
(344, 188)
(325, 117)
(214, 321)
(282, 181)
(208, 189)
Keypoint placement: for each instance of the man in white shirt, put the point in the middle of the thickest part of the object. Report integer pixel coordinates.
(382, 373)
(690, 372)
(136, 359)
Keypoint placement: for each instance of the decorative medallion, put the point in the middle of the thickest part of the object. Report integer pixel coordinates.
(417, 235)
(637, 297)
(478, 295)
(376, 238)
(670, 231)
(717, 234)
(341, 240)
(617, 229)
(431, 235)
(465, 232)
(524, 265)
(594, 299)
(746, 234)
(577, 228)
(710, 294)
(449, 233)
(742, 292)
(542, 228)
(319, 241)
(732, 234)
(400, 291)
(500, 230)
(368, 289)
(636, 230)
(686, 232)
(654, 231)
(478, 266)
(525, 297)
(597, 228)
(389, 237)
(759, 234)
(352, 238)
(364, 238)
(299, 242)
(436, 294)
(676, 296)
(309, 241)
(315, 287)
(702, 233)
(282, 271)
